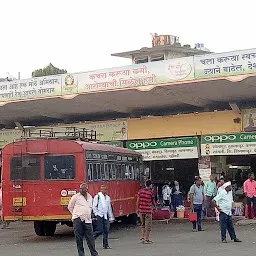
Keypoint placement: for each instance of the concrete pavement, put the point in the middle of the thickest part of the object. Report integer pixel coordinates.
(169, 239)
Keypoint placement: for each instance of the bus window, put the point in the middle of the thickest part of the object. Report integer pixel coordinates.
(25, 168)
(119, 172)
(113, 172)
(131, 172)
(106, 170)
(98, 171)
(102, 171)
(110, 171)
(89, 171)
(124, 172)
(94, 172)
(137, 172)
(59, 167)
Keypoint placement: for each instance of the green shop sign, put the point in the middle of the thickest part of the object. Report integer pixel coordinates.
(229, 144)
(172, 148)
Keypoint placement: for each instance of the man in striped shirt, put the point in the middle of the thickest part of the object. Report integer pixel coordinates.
(145, 205)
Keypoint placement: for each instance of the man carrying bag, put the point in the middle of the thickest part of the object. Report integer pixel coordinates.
(196, 198)
(102, 210)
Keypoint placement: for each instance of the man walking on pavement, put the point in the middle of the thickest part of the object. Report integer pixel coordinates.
(102, 209)
(210, 191)
(250, 193)
(224, 202)
(145, 203)
(196, 198)
(80, 207)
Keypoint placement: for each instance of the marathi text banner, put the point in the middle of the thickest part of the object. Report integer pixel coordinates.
(152, 73)
(225, 64)
(133, 76)
(40, 87)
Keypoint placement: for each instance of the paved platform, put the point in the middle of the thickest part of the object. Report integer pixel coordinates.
(169, 239)
(246, 222)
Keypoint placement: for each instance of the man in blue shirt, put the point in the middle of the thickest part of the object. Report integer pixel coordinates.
(210, 191)
(224, 202)
(196, 197)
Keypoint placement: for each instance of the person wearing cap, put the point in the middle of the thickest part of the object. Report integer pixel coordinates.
(80, 206)
(224, 202)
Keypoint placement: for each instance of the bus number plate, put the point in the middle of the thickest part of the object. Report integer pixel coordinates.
(19, 201)
(64, 200)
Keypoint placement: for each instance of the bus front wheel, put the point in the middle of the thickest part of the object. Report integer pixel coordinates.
(39, 228)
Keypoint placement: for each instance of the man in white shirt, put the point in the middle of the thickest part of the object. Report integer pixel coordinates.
(102, 209)
(166, 191)
(80, 207)
(224, 202)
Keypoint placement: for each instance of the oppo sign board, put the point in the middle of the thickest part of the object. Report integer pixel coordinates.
(229, 144)
(142, 145)
(219, 138)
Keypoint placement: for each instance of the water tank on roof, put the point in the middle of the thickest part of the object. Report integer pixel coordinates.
(160, 40)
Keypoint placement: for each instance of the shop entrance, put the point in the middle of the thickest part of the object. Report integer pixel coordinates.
(237, 169)
(182, 170)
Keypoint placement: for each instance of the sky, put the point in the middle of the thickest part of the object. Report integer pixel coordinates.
(80, 35)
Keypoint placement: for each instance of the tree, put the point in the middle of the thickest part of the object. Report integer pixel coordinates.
(48, 71)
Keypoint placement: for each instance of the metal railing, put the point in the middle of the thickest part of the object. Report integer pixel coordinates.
(66, 133)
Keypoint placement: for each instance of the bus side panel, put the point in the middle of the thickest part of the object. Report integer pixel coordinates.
(124, 201)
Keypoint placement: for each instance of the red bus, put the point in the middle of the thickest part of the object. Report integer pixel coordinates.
(39, 176)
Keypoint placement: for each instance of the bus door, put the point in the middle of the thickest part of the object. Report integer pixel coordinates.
(25, 174)
(25, 165)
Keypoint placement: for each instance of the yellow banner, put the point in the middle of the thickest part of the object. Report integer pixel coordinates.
(106, 131)
(8, 136)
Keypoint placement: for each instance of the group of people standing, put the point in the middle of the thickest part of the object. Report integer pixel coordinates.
(173, 195)
(214, 195)
(220, 198)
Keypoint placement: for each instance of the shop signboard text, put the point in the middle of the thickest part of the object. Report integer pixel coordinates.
(173, 148)
(229, 144)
